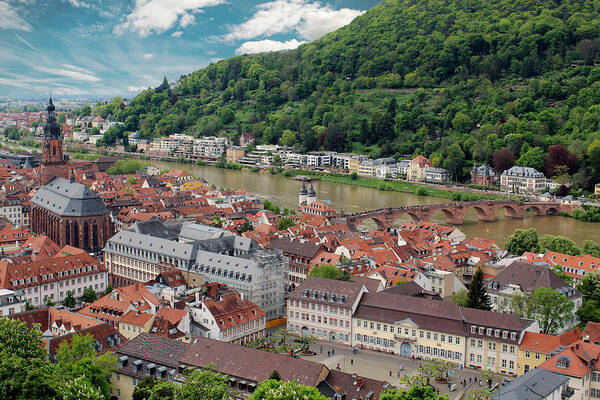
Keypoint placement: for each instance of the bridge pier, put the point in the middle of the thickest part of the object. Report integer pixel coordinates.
(455, 219)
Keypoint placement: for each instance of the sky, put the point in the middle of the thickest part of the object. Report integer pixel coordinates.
(110, 47)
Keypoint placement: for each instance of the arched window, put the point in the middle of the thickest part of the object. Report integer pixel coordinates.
(95, 236)
(75, 234)
(86, 235)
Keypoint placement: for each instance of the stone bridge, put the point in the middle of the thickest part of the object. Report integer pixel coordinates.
(455, 212)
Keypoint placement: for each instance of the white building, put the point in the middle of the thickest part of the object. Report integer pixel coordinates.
(522, 180)
(11, 302)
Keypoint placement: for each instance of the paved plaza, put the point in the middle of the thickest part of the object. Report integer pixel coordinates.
(387, 367)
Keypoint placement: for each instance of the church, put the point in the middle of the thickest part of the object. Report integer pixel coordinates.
(67, 212)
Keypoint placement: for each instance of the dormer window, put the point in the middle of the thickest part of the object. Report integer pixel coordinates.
(489, 331)
(481, 330)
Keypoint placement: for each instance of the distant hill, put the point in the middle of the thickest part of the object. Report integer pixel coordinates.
(454, 80)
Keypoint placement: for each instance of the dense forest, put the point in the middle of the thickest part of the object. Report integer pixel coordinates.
(455, 80)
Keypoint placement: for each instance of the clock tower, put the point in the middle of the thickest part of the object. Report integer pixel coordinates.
(54, 162)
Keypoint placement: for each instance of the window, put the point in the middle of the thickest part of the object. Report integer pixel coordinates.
(511, 364)
(473, 329)
(492, 346)
(457, 340)
(504, 348)
(512, 350)
(429, 335)
(443, 338)
(491, 361)
(527, 354)
(503, 363)
(421, 334)
(537, 356)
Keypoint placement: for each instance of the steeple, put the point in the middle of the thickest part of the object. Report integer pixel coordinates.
(51, 128)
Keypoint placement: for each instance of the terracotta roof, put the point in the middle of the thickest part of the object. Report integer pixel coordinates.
(154, 348)
(230, 310)
(576, 360)
(136, 318)
(295, 247)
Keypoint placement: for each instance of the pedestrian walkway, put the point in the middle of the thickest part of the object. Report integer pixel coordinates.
(386, 367)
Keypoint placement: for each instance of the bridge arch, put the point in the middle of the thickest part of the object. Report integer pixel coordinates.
(552, 210)
(382, 226)
(511, 211)
(535, 209)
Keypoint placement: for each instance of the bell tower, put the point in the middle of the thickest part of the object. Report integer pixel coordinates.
(54, 162)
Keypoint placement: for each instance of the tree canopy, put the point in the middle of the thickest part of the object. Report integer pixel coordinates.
(478, 296)
(329, 271)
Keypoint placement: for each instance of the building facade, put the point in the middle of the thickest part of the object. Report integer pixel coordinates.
(522, 180)
(484, 175)
(53, 278)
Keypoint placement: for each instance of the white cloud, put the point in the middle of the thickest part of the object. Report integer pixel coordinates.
(32, 47)
(135, 88)
(10, 19)
(76, 68)
(157, 16)
(261, 46)
(75, 74)
(177, 34)
(148, 56)
(186, 19)
(309, 19)
(78, 3)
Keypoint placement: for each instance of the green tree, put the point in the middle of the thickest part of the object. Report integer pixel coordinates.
(109, 289)
(533, 158)
(275, 375)
(89, 295)
(462, 122)
(245, 227)
(559, 244)
(78, 358)
(284, 223)
(591, 248)
(415, 392)
(85, 111)
(438, 368)
(590, 307)
(25, 372)
(552, 309)
(205, 384)
(560, 272)
(132, 180)
(478, 296)
(461, 297)
(69, 300)
(143, 389)
(227, 115)
(455, 160)
(291, 390)
(80, 389)
(488, 376)
(288, 138)
(327, 271)
(522, 240)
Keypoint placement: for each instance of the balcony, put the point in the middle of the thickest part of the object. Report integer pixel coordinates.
(567, 393)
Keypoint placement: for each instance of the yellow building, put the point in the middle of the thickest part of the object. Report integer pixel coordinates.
(135, 322)
(409, 326)
(233, 154)
(353, 164)
(419, 327)
(535, 348)
(191, 185)
(367, 169)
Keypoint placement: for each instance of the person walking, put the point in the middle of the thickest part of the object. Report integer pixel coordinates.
(333, 352)
(351, 361)
(328, 353)
(390, 372)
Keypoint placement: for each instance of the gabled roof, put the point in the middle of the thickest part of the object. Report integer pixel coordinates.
(69, 199)
(251, 364)
(536, 384)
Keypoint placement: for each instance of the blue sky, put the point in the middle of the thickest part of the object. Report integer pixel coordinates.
(71, 47)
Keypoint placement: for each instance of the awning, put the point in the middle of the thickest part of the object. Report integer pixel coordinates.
(162, 369)
(150, 366)
(137, 362)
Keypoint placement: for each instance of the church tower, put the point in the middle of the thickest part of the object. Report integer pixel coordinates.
(54, 162)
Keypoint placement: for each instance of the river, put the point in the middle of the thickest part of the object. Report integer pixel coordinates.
(284, 192)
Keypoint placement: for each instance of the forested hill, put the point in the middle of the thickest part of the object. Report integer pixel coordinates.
(453, 80)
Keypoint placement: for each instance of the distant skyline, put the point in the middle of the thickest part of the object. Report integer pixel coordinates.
(111, 47)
